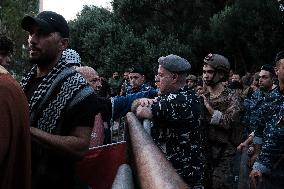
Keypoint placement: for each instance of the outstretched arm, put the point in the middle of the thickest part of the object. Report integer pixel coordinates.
(76, 144)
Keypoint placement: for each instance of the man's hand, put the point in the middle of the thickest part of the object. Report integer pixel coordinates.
(242, 146)
(251, 150)
(245, 144)
(255, 177)
(142, 108)
(207, 105)
(146, 102)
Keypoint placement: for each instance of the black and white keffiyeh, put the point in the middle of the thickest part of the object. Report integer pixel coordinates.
(72, 57)
(45, 111)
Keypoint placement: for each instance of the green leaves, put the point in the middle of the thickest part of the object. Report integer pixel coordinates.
(11, 14)
(140, 31)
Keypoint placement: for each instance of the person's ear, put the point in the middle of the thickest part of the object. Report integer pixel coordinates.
(63, 43)
(221, 74)
(175, 77)
(276, 71)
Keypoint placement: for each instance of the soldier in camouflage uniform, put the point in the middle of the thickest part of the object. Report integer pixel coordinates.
(176, 116)
(191, 81)
(268, 170)
(222, 107)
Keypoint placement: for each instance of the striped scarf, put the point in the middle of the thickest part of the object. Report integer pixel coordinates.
(60, 90)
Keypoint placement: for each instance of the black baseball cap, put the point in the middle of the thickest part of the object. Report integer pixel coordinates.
(137, 68)
(48, 21)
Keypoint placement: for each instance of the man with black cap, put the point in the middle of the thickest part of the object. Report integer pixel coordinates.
(57, 96)
(137, 80)
(176, 116)
(222, 107)
(268, 170)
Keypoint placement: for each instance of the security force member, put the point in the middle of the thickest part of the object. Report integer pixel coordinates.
(269, 166)
(176, 116)
(222, 107)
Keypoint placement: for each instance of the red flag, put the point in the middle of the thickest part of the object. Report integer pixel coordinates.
(99, 166)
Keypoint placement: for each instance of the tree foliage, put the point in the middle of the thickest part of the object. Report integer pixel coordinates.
(11, 14)
(140, 31)
(248, 32)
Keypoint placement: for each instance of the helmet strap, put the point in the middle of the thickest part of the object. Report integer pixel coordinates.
(217, 78)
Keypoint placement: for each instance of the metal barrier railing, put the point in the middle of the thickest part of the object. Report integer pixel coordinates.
(118, 130)
(123, 179)
(154, 171)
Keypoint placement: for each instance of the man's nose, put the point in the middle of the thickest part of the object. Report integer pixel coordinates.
(33, 38)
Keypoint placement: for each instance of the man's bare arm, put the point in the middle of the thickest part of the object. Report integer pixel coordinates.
(76, 144)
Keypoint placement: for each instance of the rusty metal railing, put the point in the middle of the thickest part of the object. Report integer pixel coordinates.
(123, 179)
(154, 171)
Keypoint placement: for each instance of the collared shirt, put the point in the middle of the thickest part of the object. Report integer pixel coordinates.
(272, 135)
(144, 87)
(252, 107)
(177, 132)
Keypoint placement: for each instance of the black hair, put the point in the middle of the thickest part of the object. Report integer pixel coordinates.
(279, 56)
(6, 45)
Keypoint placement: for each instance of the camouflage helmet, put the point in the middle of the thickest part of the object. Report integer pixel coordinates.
(191, 77)
(218, 62)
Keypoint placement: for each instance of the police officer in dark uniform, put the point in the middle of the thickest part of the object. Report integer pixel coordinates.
(176, 116)
(268, 170)
(136, 81)
(252, 106)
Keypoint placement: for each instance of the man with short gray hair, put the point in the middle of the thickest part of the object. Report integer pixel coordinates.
(176, 116)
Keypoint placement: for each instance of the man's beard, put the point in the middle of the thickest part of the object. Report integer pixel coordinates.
(263, 88)
(209, 83)
(43, 60)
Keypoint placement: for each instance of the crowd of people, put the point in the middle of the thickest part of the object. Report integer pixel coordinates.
(202, 124)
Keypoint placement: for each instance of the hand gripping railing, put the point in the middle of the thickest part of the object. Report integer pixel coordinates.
(154, 171)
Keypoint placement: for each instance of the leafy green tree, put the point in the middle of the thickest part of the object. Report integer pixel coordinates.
(11, 14)
(104, 43)
(248, 32)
